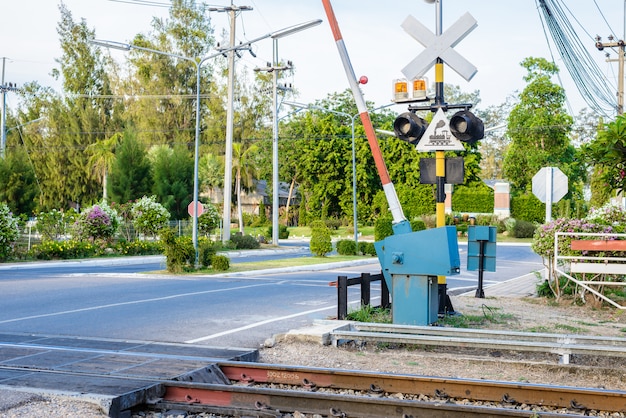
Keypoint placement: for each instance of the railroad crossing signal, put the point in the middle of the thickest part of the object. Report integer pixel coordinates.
(439, 47)
(438, 136)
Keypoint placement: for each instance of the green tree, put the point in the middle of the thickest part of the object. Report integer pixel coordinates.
(18, 184)
(9, 231)
(244, 168)
(166, 113)
(538, 127)
(101, 158)
(607, 153)
(71, 122)
(172, 174)
(130, 176)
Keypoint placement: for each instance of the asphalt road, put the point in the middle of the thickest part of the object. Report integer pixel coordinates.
(96, 299)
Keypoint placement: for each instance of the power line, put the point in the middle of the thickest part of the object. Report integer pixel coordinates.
(151, 3)
(587, 77)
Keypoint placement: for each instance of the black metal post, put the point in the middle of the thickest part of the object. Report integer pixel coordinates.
(365, 289)
(481, 267)
(342, 297)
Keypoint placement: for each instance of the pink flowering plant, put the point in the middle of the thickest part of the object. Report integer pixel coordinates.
(607, 219)
(98, 222)
(9, 231)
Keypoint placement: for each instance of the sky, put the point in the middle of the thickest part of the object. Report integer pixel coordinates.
(508, 31)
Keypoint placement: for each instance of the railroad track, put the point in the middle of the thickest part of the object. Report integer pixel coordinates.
(263, 390)
(144, 376)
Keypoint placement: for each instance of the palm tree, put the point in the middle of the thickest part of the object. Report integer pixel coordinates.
(102, 157)
(243, 165)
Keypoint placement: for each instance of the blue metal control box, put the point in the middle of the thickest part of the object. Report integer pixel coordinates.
(411, 263)
(484, 236)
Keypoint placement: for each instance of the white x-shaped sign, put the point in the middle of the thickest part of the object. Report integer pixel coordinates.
(439, 47)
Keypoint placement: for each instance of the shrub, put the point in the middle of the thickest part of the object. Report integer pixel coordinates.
(283, 232)
(206, 251)
(244, 242)
(53, 225)
(346, 247)
(136, 247)
(9, 231)
(320, 243)
(220, 262)
(333, 223)
(543, 244)
(478, 198)
(523, 229)
(149, 216)
(528, 208)
(382, 228)
(609, 214)
(96, 222)
(65, 250)
(209, 220)
(418, 225)
(179, 252)
(367, 248)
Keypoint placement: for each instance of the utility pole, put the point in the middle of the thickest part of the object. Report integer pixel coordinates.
(228, 170)
(620, 60)
(4, 88)
(274, 68)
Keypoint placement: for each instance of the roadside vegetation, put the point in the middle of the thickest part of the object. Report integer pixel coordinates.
(94, 170)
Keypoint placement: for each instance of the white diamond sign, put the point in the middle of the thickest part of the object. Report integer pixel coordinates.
(438, 136)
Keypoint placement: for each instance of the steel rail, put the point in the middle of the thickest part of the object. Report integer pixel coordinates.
(278, 402)
(477, 390)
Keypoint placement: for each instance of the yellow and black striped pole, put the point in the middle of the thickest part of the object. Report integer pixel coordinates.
(445, 304)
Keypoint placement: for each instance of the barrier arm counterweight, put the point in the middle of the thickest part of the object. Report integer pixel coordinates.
(400, 223)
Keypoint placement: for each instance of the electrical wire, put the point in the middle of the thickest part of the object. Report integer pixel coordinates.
(588, 78)
(144, 3)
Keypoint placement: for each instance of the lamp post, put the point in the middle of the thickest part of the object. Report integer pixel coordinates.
(352, 119)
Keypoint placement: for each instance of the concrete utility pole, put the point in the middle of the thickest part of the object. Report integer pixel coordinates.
(274, 68)
(620, 73)
(228, 156)
(4, 88)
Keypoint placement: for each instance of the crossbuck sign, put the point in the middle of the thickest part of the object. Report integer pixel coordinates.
(439, 47)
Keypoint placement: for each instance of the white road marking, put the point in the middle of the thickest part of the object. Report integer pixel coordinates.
(267, 321)
(134, 302)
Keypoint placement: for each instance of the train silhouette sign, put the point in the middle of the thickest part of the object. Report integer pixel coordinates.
(438, 137)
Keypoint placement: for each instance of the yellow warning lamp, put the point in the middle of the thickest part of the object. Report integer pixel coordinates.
(418, 91)
(400, 90)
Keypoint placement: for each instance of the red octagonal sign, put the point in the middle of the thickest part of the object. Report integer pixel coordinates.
(198, 205)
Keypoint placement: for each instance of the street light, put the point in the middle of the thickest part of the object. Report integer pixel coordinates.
(352, 119)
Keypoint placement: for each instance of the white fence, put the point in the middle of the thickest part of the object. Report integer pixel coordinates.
(600, 264)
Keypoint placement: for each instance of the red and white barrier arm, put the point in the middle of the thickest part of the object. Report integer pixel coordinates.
(390, 191)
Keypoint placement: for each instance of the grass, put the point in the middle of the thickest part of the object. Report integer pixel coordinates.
(569, 328)
(368, 313)
(539, 329)
(490, 316)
